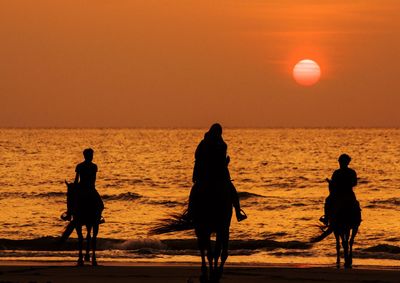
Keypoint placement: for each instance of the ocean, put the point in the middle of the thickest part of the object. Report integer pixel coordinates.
(145, 174)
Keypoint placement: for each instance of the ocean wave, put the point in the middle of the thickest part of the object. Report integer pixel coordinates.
(277, 207)
(385, 248)
(50, 195)
(384, 203)
(293, 253)
(247, 195)
(268, 235)
(285, 206)
(380, 251)
(5, 195)
(167, 203)
(53, 244)
(123, 196)
(56, 195)
(152, 247)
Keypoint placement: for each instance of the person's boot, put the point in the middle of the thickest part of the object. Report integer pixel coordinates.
(324, 220)
(240, 215)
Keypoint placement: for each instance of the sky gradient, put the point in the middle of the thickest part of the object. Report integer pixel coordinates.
(172, 63)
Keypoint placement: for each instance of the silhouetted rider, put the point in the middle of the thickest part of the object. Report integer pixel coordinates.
(85, 179)
(86, 171)
(211, 166)
(344, 178)
(341, 188)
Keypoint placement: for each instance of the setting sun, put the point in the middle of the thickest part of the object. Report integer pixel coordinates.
(306, 72)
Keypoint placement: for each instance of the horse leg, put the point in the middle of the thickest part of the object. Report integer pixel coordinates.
(204, 270)
(351, 242)
(216, 255)
(94, 243)
(345, 244)
(337, 237)
(88, 238)
(202, 248)
(210, 254)
(78, 229)
(224, 253)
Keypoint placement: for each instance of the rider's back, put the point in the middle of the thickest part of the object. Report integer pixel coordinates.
(210, 161)
(87, 174)
(343, 181)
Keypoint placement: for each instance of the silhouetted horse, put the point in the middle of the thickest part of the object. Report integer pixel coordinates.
(211, 212)
(344, 223)
(86, 208)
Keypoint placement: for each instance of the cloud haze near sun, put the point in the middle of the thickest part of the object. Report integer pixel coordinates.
(189, 63)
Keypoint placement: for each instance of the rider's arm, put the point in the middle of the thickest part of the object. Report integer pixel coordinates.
(76, 178)
(197, 157)
(95, 174)
(76, 175)
(354, 181)
(334, 177)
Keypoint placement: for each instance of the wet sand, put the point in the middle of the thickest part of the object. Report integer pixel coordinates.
(171, 273)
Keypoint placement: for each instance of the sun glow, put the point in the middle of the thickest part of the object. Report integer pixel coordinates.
(306, 72)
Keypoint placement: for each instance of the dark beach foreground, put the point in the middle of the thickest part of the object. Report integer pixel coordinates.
(64, 272)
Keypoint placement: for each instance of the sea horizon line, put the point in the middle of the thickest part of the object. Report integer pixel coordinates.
(202, 128)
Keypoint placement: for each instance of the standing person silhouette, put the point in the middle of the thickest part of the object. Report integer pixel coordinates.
(211, 166)
(341, 187)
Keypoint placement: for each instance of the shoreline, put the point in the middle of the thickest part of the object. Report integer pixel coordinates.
(65, 263)
(149, 273)
(260, 260)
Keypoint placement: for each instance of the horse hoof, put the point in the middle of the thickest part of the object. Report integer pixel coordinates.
(87, 257)
(348, 266)
(94, 263)
(80, 262)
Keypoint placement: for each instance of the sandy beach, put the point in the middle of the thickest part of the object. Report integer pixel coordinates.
(111, 272)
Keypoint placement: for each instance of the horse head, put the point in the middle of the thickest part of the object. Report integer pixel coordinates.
(70, 185)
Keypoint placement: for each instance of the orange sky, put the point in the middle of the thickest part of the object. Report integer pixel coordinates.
(155, 63)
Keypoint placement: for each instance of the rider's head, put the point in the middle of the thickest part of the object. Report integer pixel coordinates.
(344, 160)
(215, 131)
(88, 154)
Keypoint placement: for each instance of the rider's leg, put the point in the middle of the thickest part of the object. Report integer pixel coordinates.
(236, 202)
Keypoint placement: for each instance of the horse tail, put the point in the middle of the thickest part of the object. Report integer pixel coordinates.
(324, 234)
(175, 222)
